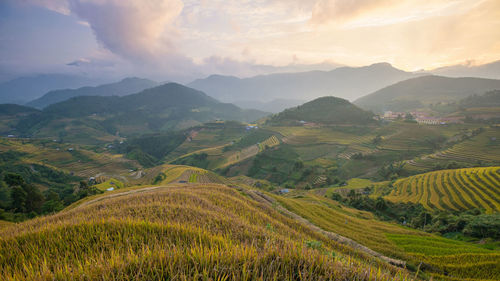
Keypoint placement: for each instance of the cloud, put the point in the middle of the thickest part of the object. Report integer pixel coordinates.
(340, 10)
(134, 29)
(60, 6)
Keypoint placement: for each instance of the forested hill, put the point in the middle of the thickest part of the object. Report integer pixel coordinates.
(325, 110)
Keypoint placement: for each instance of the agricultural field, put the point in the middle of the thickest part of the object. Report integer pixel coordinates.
(70, 158)
(477, 150)
(186, 232)
(451, 190)
(441, 258)
(455, 260)
(167, 174)
(110, 183)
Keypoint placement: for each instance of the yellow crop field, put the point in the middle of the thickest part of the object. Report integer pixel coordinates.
(179, 232)
(459, 189)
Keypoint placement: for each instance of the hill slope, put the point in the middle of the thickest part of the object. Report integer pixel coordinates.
(422, 91)
(92, 119)
(325, 110)
(345, 82)
(15, 109)
(124, 87)
(173, 100)
(180, 231)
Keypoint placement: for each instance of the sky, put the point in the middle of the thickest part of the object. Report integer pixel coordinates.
(179, 40)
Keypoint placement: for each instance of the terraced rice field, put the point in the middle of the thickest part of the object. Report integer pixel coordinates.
(302, 135)
(483, 147)
(459, 189)
(409, 137)
(185, 174)
(270, 142)
(459, 260)
(81, 162)
(248, 152)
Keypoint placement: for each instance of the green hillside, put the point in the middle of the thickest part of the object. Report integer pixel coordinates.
(15, 109)
(489, 99)
(325, 110)
(10, 116)
(421, 91)
(94, 119)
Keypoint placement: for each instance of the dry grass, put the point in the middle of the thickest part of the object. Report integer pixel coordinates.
(178, 232)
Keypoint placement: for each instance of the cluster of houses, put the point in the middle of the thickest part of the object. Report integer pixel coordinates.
(252, 126)
(422, 118)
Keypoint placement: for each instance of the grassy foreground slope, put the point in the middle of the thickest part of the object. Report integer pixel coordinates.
(181, 232)
(454, 190)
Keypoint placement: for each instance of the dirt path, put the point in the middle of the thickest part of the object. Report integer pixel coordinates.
(145, 189)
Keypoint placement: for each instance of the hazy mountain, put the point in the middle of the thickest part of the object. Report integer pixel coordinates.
(273, 106)
(490, 70)
(24, 89)
(345, 82)
(124, 87)
(324, 110)
(422, 91)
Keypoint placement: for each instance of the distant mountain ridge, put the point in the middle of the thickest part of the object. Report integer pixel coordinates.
(422, 91)
(273, 106)
(124, 87)
(489, 70)
(24, 89)
(345, 82)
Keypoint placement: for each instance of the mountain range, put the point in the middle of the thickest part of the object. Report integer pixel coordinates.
(489, 70)
(423, 91)
(344, 82)
(124, 87)
(24, 89)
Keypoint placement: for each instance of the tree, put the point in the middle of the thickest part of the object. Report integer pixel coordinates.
(34, 198)
(4, 195)
(83, 185)
(18, 199)
(380, 204)
(377, 140)
(12, 179)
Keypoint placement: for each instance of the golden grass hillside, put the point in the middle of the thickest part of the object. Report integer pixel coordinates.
(179, 232)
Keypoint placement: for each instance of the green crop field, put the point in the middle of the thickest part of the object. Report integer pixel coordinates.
(459, 189)
(481, 149)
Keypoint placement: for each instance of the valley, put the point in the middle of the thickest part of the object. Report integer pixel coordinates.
(170, 183)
